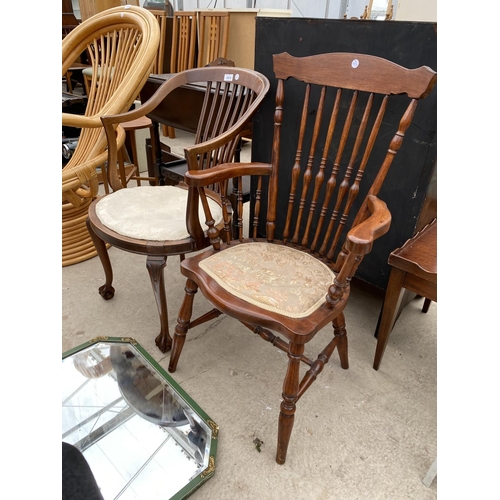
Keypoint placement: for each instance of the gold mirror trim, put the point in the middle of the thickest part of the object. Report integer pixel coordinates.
(210, 469)
(214, 427)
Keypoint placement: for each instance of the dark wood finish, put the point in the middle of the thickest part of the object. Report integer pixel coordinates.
(323, 181)
(413, 268)
(69, 20)
(216, 137)
(181, 110)
(409, 44)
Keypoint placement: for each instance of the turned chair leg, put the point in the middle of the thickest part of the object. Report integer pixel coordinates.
(185, 313)
(155, 265)
(340, 332)
(290, 396)
(106, 291)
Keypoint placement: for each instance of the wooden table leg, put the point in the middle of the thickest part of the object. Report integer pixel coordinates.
(392, 301)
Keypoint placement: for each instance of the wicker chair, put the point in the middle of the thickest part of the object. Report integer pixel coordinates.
(122, 43)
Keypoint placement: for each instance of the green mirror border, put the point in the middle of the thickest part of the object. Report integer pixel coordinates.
(207, 473)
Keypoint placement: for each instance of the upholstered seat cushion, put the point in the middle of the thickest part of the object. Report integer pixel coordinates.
(272, 276)
(89, 72)
(154, 213)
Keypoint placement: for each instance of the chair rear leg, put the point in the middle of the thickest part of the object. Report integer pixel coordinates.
(340, 332)
(106, 291)
(185, 313)
(155, 265)
(290, 396)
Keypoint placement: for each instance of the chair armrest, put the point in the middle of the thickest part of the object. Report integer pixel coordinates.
(225, 171)
(360, 238)
(81, 121)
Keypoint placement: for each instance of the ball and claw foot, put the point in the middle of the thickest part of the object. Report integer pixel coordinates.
(106, 292)
(163, 342)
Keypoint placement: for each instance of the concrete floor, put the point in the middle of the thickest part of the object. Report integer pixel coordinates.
(358, 433)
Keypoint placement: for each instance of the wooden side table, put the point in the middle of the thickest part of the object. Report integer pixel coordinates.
(414, 268)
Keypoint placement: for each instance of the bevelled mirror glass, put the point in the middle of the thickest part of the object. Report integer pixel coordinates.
(141, 434)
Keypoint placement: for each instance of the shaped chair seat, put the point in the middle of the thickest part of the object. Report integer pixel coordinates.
(274, 277)
(149, 213)
(151, 220)
(310, 230)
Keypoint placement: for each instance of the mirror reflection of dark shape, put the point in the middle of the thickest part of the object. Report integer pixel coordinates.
(152, 399)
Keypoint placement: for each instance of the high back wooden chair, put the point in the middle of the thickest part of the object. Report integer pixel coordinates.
(161, 17)
(122, 43)
(184, 49)
(183, 41)
(151, 220)
(213, 36)
(291, 278)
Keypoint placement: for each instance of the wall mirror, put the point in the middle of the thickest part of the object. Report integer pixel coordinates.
(141, 434)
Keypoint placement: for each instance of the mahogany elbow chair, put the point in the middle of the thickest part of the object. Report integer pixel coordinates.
(291, 277)
(151, 220)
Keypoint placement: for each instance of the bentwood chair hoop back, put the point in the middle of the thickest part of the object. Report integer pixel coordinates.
(152, 220)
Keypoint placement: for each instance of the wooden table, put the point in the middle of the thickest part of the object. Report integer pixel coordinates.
(413, 268)
(181, 110)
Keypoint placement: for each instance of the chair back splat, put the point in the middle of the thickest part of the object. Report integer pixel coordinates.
(313, 217)
(345, 98)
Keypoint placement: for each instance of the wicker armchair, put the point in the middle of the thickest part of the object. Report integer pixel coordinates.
(122, 43)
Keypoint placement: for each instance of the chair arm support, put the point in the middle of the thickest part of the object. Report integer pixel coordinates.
(225, 171)
(360, 238)
(81, 121)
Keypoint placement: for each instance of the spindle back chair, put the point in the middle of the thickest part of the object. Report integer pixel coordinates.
(292, 275)
(151, 220)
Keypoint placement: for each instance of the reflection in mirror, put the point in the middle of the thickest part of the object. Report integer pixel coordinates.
(135, 430)
(380, 9)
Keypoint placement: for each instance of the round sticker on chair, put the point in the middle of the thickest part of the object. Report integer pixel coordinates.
(237, 76)
(355, 63)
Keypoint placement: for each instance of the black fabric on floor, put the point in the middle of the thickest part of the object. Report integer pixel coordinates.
(78, 482)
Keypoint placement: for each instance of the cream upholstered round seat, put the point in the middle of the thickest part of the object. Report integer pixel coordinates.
(272, 276)
(153, 213)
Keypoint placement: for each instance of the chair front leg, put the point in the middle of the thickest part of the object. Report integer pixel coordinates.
(106, 291)
(183, 320)
(290, 396)
(340, 332)
(155, 265)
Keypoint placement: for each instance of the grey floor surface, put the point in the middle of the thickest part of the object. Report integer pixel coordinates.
(358, 433)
